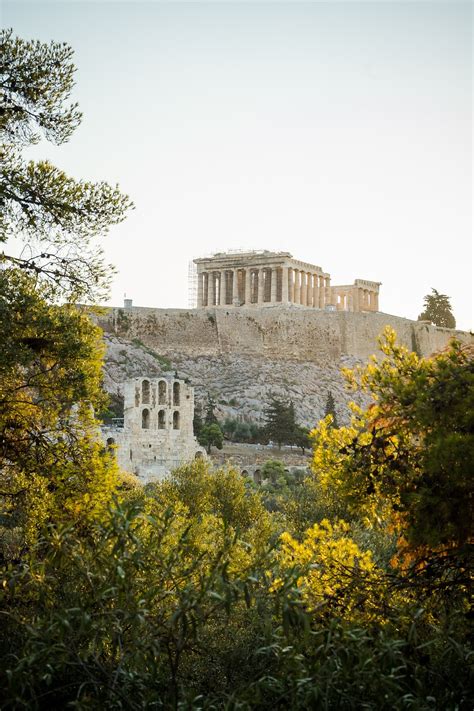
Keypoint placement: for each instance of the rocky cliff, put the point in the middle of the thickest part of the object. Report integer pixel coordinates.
(241, 356)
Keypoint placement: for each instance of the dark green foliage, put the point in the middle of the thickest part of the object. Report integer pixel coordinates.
(211, 436)
(92, 623)
(210, 417)
(197, 420)
(54, 214)
(438, 310)
(330, 409)
(114, 409)
(302, 438)
(238, 431)
(280, 423)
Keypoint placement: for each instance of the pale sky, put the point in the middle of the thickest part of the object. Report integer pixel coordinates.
(338, 131)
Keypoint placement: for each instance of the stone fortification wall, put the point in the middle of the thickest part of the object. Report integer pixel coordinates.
(243, 356)
(277, 333)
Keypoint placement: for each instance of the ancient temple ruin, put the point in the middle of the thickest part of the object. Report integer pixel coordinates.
(156, 434)
(264, 278)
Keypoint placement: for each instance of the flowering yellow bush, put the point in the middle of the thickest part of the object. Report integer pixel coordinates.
(337, 577)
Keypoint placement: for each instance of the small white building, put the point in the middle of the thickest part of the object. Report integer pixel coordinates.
(157, 431)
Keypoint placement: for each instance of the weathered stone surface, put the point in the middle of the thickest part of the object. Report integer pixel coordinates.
(156, 435)
(243, 355)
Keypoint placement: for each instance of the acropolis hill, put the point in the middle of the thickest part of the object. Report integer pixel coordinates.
(263, 323)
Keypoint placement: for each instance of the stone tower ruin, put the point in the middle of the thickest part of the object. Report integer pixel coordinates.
(157, 431)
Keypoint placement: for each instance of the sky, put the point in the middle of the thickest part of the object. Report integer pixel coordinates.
(338, 131)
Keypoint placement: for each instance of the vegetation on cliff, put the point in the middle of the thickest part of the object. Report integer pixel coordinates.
(438, 310)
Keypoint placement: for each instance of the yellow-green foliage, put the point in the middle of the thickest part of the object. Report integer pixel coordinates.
(406, 462)
(53, 464)
(213, 506)
(337, 577)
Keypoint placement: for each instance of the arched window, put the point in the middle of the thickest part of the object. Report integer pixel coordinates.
(162, 392)
(176, 420)
(146, 419)
(161, 420)
(110, 441)
(146, 392)
(198, 455)
(175, 393)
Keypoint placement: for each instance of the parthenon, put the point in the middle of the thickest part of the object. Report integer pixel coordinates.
(264, 278)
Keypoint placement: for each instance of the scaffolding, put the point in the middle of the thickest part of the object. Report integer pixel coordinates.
(192, 271)
(192, 285)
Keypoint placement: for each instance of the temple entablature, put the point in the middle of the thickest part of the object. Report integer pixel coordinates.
(264, 278)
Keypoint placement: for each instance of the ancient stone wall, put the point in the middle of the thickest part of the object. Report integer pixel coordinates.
(278, 333)
(243, 356)
(157, 432)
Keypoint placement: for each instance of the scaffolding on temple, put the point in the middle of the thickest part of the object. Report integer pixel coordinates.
(192, 270)
(192, 285)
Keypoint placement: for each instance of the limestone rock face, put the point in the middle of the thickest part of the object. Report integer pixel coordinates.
(241, 356)
(241, 385)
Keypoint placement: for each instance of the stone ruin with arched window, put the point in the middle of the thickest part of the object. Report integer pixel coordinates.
(157, 431)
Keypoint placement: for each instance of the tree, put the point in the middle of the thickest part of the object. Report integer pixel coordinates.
(52, 462)
(210, 418)
(438, 310)
(280, 424)
(302, 438)
(330, 409)
(56, 217)
(211, 436)
(54, 467)
(407, 460)
(274, 471)
(197, 420)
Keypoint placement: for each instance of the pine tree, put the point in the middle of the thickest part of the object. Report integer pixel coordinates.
(331, 409)
(197, 420)
(57, 217)
(210, 418)
(438, 310)
(280, 423)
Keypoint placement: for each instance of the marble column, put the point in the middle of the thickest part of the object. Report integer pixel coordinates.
(260, 286)
(222, 295)
(322, 293)
(273, 286)
(303, 289)
(309, 293)
(284, 285)
(235, 287)
(376, 301)
(247, 280)
(327, 291)
(210, 288)
(292, 278)
(315, 291)
(200, 278)
(297, 286)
